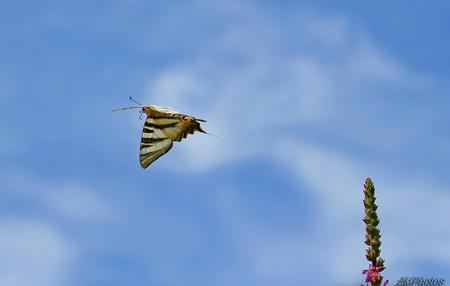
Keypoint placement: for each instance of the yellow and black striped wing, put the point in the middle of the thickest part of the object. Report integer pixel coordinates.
(154, 143)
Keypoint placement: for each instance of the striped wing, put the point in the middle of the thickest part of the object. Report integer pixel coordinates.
(157, 138)
(154, 143)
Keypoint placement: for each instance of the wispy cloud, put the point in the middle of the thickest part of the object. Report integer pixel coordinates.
(67, 200)
(37, 241)
(34, 253)
(266, 93)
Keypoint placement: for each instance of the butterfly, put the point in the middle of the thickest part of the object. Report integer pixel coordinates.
(162, 127)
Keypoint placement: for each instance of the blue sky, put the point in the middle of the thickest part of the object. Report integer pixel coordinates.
(307, 98)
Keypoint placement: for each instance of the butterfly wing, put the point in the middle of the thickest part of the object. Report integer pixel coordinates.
(154, 142)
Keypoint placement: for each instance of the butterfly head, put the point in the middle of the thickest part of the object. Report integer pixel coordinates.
(187, 118)
(145, 109)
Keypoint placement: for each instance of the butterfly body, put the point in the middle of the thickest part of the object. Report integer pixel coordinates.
(163, 126)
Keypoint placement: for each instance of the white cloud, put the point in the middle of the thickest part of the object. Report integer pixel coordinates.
(33, 253)
(38, 251)
(67, 200)
(257, 100)
(417, 209)
(335, 180)
(78, 203)
(333, 31)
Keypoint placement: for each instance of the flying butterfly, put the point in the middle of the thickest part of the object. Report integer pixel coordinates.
(162, 126)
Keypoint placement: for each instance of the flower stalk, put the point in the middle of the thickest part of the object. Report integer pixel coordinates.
(373, 235)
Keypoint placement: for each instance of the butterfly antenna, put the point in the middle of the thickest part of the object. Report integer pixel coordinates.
(131, 107)
(140, 112)
(135, 101)
(125, 108)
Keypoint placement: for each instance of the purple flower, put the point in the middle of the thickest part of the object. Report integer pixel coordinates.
(373, 274)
